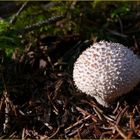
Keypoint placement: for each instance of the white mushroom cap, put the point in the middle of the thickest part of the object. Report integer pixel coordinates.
(106, 71)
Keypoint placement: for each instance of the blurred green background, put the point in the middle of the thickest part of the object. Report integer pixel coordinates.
(95, 20)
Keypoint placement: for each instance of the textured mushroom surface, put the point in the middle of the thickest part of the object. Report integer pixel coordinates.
(106, 71)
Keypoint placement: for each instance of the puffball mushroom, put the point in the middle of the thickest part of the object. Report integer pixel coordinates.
(106, 70)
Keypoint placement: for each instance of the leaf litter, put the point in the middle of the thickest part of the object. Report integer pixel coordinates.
(39, 99)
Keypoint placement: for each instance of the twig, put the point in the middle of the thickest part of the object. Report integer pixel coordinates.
(97, 110)
(76, 131)
(130, 134)
(105, 133)
(57, 130)
(86, 113)
(77, 123)
(12, 135)
(14, 18)
(7, 110)
(40, 24)
(121, 25)
(118, 118)
(98, 113)
(137, 109)
(117, 33)
(131, 121)
(110, 119)
(23, 134)
(117, 107)
(119, 130)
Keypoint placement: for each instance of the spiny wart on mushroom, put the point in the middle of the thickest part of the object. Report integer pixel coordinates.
(106, 71)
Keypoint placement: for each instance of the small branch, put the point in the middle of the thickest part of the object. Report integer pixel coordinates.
(67, 130)
(40, 24)
(120, 131)
(7, 110)
(113, 32)
(86, 113)
(119, 116)
(57, 130)
(121, 25)
(14, 18)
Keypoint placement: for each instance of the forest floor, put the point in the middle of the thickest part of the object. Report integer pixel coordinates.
(40, 100)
